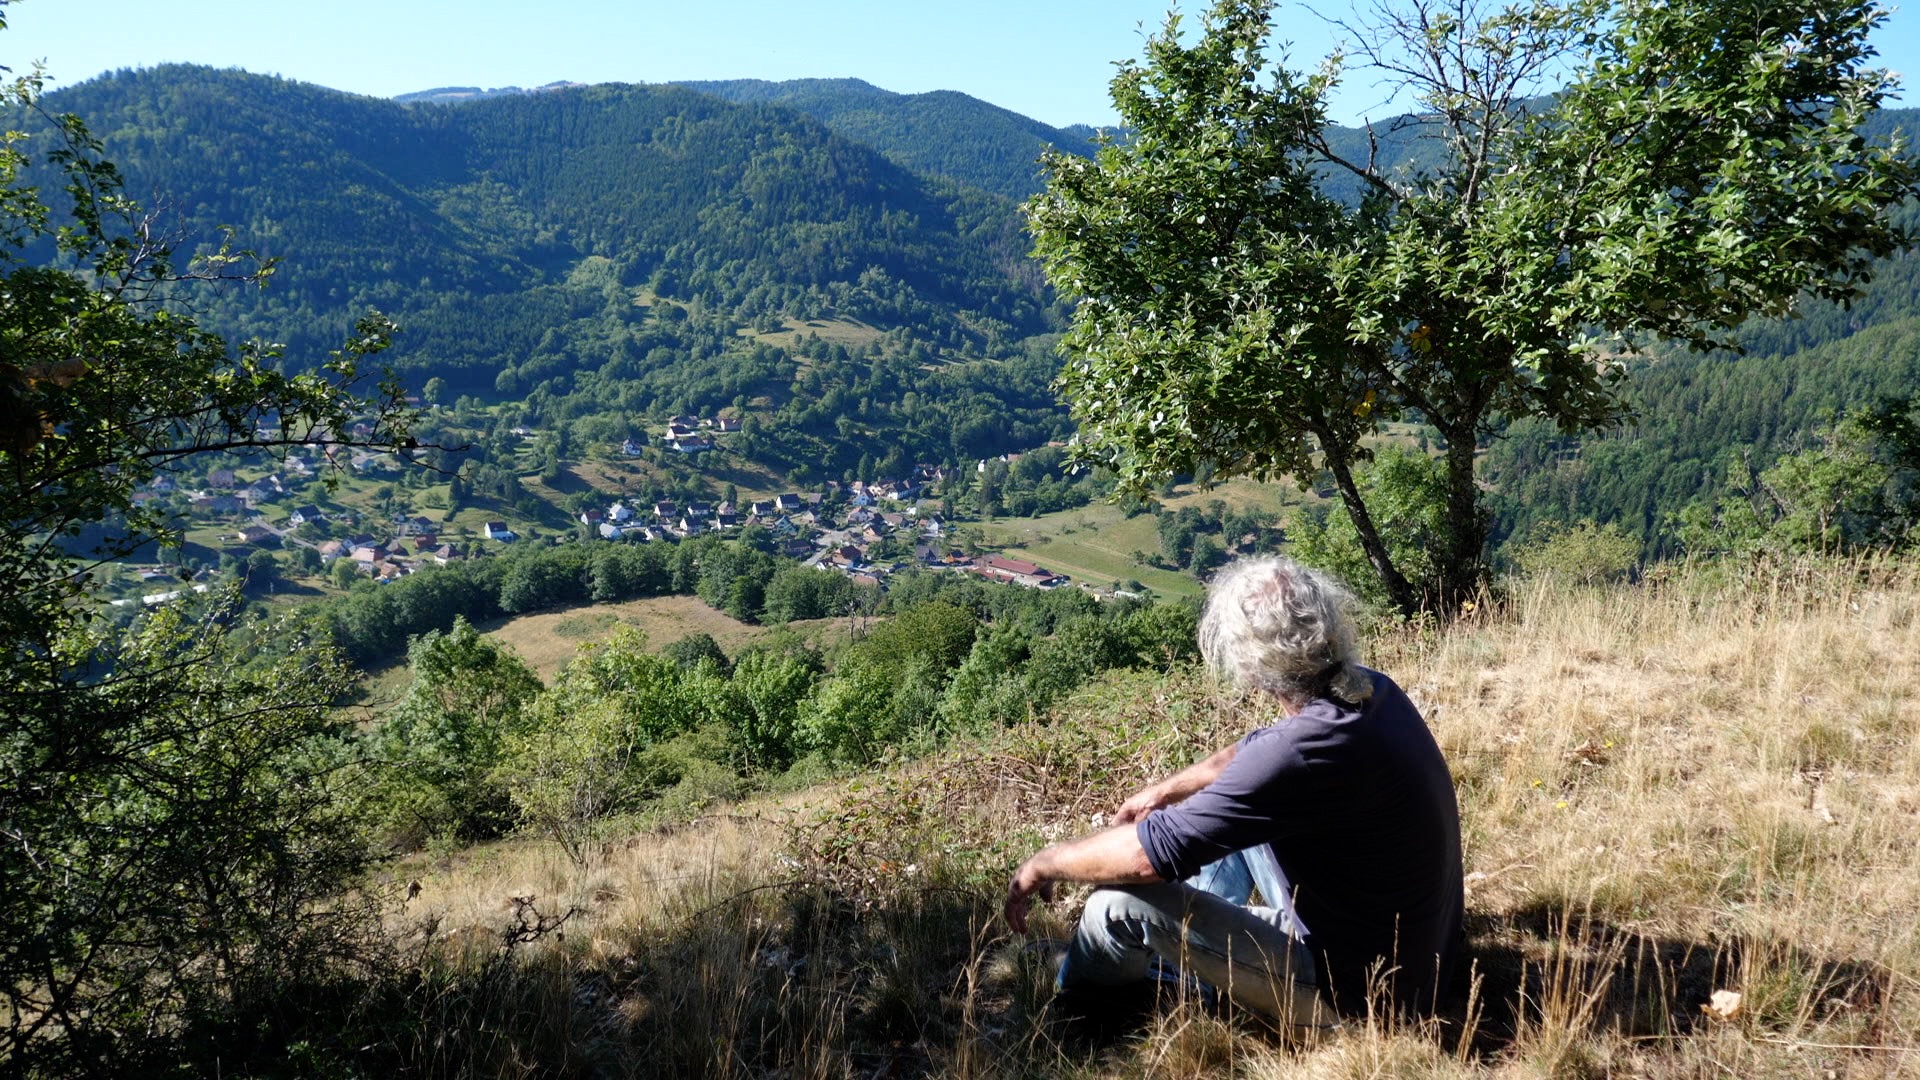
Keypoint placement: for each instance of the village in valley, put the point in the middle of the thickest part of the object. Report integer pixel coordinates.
(289, 519)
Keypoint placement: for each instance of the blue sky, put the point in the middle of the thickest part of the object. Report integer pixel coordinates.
(1049, 59)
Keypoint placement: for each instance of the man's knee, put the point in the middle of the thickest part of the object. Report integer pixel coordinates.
(1111, 906)
(1107, 907)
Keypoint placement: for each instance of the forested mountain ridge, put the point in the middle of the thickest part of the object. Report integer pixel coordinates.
(941, 132)
(467, 224)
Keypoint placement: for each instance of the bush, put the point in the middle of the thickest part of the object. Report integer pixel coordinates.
(850, 716)
(442, 743)
(695, 649)
(602, 740)
(989, 689)
(195, 849)
(1406, 495)
(767, 692)
(1584, 553)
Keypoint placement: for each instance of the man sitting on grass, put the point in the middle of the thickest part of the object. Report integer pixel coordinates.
(1345, 791)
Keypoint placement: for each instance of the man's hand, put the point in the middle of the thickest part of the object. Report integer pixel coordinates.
(1174, 788)
(1109, 857)
(1027, 883)
(1143, 802)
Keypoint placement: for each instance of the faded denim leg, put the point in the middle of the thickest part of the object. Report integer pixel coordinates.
(1236, 876)
(1229, 878)
(1242, 952)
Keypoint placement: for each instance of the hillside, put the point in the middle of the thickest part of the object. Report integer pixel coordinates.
(468, 224)
(842, 266)
(1667, 791)
(1692, 415)
(941, 133)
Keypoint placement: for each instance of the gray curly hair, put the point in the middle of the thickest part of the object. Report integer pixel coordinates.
(1285, 628)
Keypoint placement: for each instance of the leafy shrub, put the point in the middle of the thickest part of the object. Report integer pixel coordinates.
(441, 744)
(610, 733)
(765, 697)
(1405, 492)
(850, 716)
(803, 592)
(1585, 553)
(989, 690)
(189, 849)
(695, 649)
(1854, 491)
(939, 632)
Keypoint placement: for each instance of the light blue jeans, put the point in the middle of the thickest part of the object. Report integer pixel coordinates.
(1205, 926)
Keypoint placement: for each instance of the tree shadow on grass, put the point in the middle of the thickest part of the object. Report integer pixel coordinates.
(1547, 965)
(790, 979)
(919, 980)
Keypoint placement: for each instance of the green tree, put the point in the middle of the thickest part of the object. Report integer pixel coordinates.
(598, 744)
(1405, 493)
(174, 834)
(467, 703)
(263, 571)
(1703, 164)
(939, 632)
(344, 573)
(769, 688)
(802, 592)
(306, 559)
(695, 649)
(1585, 553)
(989, 688)
(1207, 554)
(1849, 493)
(850, 716)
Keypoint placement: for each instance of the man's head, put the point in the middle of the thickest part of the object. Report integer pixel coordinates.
(1280, 626)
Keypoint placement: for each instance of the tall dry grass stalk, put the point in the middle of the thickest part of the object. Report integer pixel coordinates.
(1706, 782)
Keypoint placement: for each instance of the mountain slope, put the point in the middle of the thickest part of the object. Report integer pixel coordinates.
(526, 241)
(944, 133)
(468, 222)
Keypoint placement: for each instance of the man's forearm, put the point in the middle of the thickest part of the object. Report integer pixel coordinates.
(1200, 773)
(1109, 857)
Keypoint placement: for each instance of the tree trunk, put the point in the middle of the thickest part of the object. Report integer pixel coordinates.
(1399, 589)
(1463, 570)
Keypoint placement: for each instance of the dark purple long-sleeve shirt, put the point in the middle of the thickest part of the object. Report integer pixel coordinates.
(1359, 807)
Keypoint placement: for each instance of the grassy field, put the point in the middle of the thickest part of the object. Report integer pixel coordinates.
(546, 641)
(1092, 544)
(1097, 543)
(1706, 784)
(849, 332)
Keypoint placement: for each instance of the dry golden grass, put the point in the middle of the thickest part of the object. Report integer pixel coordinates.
(1707, 782)
(547, 640)
(466, 900)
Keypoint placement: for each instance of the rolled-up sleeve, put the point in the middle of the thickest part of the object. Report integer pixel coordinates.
(1253, 801)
